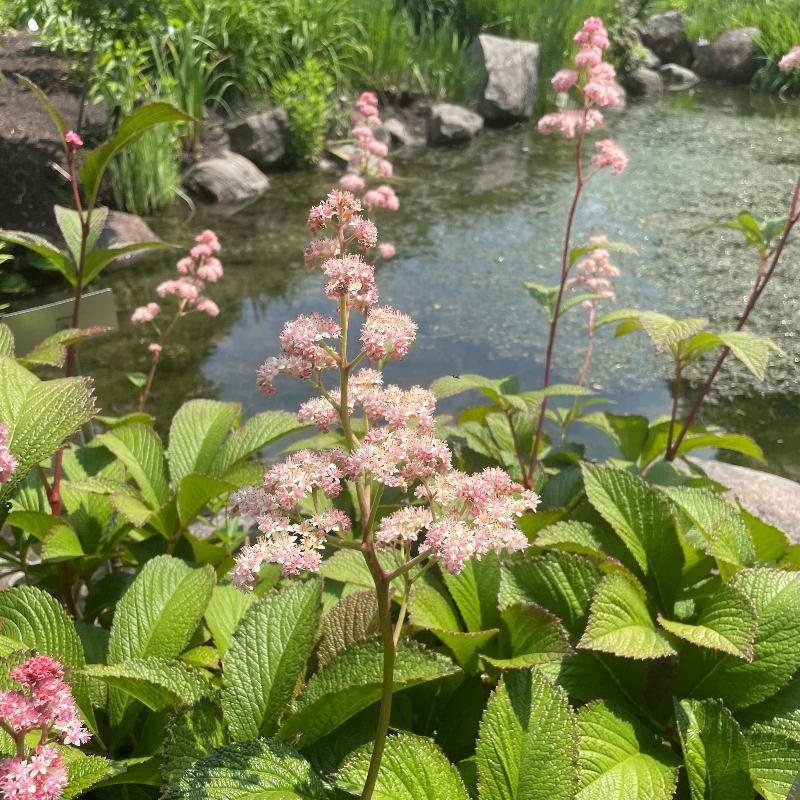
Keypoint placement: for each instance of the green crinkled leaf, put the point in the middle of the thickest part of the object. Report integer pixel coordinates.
(61, 544)
(412, 768)
(627, 431)
(52, 352)
(749, 348)
(465, 646)
(720, 524)
(352, 681)
(15, 381)
(254, 435)
(42, 247)
(353, 619)
(528, 743)
(157, 682)
(450, 385)
(775, 595)
(430, 607)
(620, 622)
(6, 341)
(267, 657)
(157, 615)
(714, 750)
(642, 519)
(39, 622)
(259, 770)
(620, 757)
(475, 592)
(191, 736)
(196, 435)
(728, 624)
(139, 448)
(535, 636)
(774, 765)
(560, 582)
(84, 771)
(769, 542)
(195, 492)
(573, 536)
(70, 223)
(99, 259)
(224, 612)
(778, 715)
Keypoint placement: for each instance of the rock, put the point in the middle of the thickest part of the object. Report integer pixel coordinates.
(229, 179)
(643, 82)
(122, 228)
(731, 58)
(769, 497)
(381, 134)
(400, 133)
(664, 34)
(677, 77)
(506, 70)
(261, 138)
(450, 124)
(649, 59)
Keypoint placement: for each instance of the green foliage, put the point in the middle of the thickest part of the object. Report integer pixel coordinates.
(306, 94)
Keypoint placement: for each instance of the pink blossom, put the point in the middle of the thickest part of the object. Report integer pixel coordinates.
(8, 464)
(319, 250)
(155, 348)
(387, 251)
(363, 134)
(403, 525)
(384, 168)
(568, 123)
(387, 333)
(592, 34)
(185, 265)
(209, 238)
(287, 483)
(210, 270)
(201, 251)
(610, 155)
(352, 279)
(301, 337)
(352, 182)
(564, 80)
(73, 141)
(207, 306)
(319, 412)
(145, 313)
(588, 57)
(366, 233)
(41, 776)
(382, 197)
(378, 149)
(791, 60)
(319, 216)
(594, 270)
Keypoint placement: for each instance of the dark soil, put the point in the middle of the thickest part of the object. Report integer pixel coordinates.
(31, 155)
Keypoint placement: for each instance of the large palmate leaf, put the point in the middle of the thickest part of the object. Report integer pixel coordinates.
(192, 735)
(267, 657)
(475, 590)
(431, 607)
(642, 519)
(224, 612)
(528, 745)
(664, 331)
(775, 595)
(52, 351)
(412, 768)
(774, 765)
(352, 681)
(196, 435)
(132, 127)
(778, 715)
(727, 623)
(535, 636)
(620, 622)
(157, 615)
(621, 757)
(714, 750)
(560, 582)
(258, 770)
(752, 350)
(84, 771)
(157, 682)
(353, 619)
(34, 619)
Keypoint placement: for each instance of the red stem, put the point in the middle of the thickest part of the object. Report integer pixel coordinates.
(565, 265)
(758, 290)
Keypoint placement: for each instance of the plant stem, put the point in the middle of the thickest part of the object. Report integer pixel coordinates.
(151, 375)
(758, 290)
(675, 400)
(565, 265)
(582, 375)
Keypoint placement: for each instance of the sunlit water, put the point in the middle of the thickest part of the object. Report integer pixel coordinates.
(475, 223)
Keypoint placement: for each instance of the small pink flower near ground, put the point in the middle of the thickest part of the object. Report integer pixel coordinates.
(791, 60)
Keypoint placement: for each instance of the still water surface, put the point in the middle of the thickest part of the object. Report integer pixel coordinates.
(475, 223)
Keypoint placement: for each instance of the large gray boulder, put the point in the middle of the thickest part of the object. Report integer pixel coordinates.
(121, 229)
(732, 58)
(450, 124)
(229, 179)
(677, 77)
(261, 138)
(643, 82)
(665, 35)
(506, 71)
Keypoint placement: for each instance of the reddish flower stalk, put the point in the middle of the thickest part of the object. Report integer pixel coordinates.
(762, 279)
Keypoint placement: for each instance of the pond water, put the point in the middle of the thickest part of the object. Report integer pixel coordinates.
(475, 223)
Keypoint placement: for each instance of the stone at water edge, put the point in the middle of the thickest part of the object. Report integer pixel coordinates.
(731, 58)
(507, 70)
(229, 179)
(665, 35)
(450, 124)
(122, 228)
(677, 77)
(261, 138)
(400, 133)
(643, 82)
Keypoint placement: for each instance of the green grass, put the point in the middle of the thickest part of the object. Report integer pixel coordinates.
(779, 21)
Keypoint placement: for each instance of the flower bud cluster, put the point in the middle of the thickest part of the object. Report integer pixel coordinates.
(8, 464)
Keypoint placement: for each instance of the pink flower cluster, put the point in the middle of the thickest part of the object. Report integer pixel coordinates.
(73, 142)
(594, 80)
(791, 60)
(370, 160)
(8, 464)
(45, 704)
(387, 333)
(594, 271)
(197, 269)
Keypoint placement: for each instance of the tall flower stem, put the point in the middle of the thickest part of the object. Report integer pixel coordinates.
(758, 289)
(565, 265)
